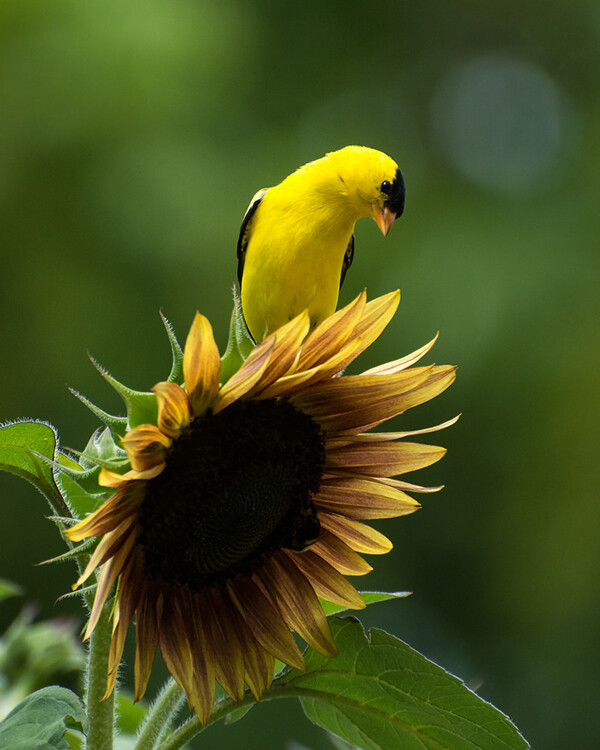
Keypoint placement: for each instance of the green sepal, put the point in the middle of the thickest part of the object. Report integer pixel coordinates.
(81, 550)
(118, 425)
(141, 406)
(239, 344)
(176, 374)
(101, 450)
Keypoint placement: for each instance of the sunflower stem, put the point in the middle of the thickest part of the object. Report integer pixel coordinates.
(160, 715)
(100, 711)
(183, 734)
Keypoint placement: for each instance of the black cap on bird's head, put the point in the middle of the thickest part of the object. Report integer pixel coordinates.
(393, 204)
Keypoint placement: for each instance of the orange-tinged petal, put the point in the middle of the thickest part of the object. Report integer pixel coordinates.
(247, 376)
(285, 352)
(378, 437)
(146, 638)
(145, 446)
(174, 644)
(109, 478)
(227, 642)
(383, 459)
(174, 409)
(325, 579)
(202, 646)
(340, 555)
(331, 334)
(363, 498)
(359, 537)
(120, 506)
(110, 573)
(297, 602)
(107, 547)
(129, 595)
(264, 621)
(201, 365)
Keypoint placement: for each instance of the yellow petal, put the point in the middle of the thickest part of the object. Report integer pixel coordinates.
(331, 334)
(247, 376)
(383, 459)
(201, 365)
(112, 479)
(358, 536)
(146, 638)
(340, 555)
(397, 365)
(363, 498)
(145, 446)
(174, 409)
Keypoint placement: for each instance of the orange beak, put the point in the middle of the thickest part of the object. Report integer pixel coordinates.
(384, 218)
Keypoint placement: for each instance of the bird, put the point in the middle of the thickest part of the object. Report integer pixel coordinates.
(296, 241)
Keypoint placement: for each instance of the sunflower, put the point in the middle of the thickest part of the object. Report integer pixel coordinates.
(244, 504)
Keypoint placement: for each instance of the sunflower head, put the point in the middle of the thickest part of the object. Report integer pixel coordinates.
(242, 504)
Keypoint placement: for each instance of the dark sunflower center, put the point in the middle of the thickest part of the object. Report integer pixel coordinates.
(237, 486)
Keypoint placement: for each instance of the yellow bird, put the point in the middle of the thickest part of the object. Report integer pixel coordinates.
(297, 238)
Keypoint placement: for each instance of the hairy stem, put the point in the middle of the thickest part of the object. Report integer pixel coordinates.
(160, 715)
(100, 713)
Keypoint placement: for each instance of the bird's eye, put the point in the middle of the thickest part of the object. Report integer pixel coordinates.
(386, 187)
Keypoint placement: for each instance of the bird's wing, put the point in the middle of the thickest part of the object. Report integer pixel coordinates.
(245, 231)
(348, 258)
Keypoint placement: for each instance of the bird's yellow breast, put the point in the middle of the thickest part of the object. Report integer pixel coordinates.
(294, 256)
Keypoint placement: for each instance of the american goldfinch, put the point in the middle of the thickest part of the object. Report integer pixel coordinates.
(296, 241)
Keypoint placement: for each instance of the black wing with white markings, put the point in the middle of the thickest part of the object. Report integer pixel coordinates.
(245, 232)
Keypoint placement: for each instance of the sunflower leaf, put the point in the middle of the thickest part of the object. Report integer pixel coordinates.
(38, 722)
(26, 448)
(368, 597)
(379, 693)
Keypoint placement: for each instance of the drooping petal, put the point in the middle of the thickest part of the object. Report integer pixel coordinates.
(145, 446)
(378, 437)
(174, 409)
(146, 636)
(325, 579)
(111, 571)
(129, 597)
(201, 365)
(264, 621)
(229, 664)
(297, 602)
(174, 644)
(200, 629)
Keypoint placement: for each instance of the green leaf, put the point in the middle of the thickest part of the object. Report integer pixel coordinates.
(23, 448)
(368, 597)
(380, 694)
(238, 714)
(38, 722)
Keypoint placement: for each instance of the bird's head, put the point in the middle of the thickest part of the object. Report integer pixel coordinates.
(374, 181)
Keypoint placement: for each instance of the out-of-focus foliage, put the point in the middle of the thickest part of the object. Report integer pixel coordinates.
(132, 138)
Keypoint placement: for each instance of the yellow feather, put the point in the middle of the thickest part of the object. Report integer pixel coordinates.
(294, 244)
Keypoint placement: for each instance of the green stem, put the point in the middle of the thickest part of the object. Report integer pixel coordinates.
(192, 727)
(160, 715)
(100, 713)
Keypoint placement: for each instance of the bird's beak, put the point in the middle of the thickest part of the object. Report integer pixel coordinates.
(384, 218)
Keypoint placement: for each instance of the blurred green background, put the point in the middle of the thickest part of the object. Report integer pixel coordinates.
(132, 137)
